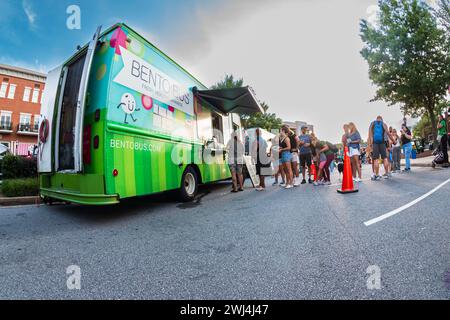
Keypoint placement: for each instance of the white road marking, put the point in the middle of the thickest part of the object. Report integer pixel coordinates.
(406, 206)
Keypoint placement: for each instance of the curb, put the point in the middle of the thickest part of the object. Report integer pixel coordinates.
(424, 165)
(14, 201)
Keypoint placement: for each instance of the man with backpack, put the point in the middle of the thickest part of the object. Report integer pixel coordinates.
(377, 140)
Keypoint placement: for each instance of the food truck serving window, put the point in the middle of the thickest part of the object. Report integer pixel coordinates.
(217, 126)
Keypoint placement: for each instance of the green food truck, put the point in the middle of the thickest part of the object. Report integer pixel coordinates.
(121, 119)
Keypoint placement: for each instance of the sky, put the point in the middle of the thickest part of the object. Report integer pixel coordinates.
(300, 56)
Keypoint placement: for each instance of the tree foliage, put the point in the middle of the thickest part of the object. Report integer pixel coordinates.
(266, 120)
(408, 57)
(442, 13)
(228, 82)
(423, 128)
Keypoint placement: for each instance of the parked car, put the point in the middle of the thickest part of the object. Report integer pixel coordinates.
(4, 150)
(419, 146)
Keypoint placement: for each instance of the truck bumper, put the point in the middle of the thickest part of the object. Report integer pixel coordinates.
(80, 198)
(77, 188)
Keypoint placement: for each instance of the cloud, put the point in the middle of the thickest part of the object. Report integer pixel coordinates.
(31, 15)
(301, 57)
(195, 35)
(36, 66)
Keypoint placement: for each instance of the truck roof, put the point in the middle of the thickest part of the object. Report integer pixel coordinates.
(122, 24)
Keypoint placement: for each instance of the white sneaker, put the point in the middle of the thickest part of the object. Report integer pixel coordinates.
(296, 182)
(328, 183)
(288, 186)
(282, 184)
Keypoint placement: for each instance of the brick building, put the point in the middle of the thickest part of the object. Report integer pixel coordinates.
(20, 105)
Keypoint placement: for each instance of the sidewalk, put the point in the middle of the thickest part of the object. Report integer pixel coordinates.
(16, 201)
(420, 162)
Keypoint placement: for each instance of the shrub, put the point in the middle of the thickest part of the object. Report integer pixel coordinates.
(11, 167)
(20, 187)
(18, 167)
(29, 167)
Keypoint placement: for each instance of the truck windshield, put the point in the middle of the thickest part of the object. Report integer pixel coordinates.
(68, 114)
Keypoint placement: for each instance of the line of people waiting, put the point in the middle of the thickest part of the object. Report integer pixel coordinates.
(291, 155)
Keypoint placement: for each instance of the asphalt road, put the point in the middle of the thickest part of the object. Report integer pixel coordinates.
(304, 243)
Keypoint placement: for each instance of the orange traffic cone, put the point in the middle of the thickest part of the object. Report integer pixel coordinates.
(314, 172)
(347, 180)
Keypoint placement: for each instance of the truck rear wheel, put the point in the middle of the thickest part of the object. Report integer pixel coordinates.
(189, 185)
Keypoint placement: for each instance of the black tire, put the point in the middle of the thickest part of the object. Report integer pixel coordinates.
(189, 185)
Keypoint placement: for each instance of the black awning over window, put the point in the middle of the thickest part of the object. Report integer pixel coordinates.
(231, 100)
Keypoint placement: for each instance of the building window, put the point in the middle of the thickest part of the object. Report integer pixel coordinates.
(3, 89)
(25, 122)
(35, 97)
(36, 123)
(5, 120)
(26, 94)
(217, 127)
(12, 91)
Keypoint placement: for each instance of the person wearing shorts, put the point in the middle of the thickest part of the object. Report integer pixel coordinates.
(324, 159)
(305, 154)
(261, 160)
(236, 150)
(353, 142)
(294, 155)
(378, 146)
(286, 157)
(276, 161)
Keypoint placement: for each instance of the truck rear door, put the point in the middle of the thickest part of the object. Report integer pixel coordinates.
(81, 103)
(45, 138)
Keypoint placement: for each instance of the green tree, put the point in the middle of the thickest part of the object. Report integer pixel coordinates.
(408, 57)
(423, 128)
(266, 120)
(228, 82)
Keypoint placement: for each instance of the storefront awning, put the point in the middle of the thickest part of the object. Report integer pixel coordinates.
(231, 100)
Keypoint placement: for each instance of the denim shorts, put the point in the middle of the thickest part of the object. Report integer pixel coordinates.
(286, 156)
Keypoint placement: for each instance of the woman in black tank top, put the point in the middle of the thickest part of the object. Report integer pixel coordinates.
(286, 156)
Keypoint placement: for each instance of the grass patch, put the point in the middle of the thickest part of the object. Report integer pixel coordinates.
(20, 187)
